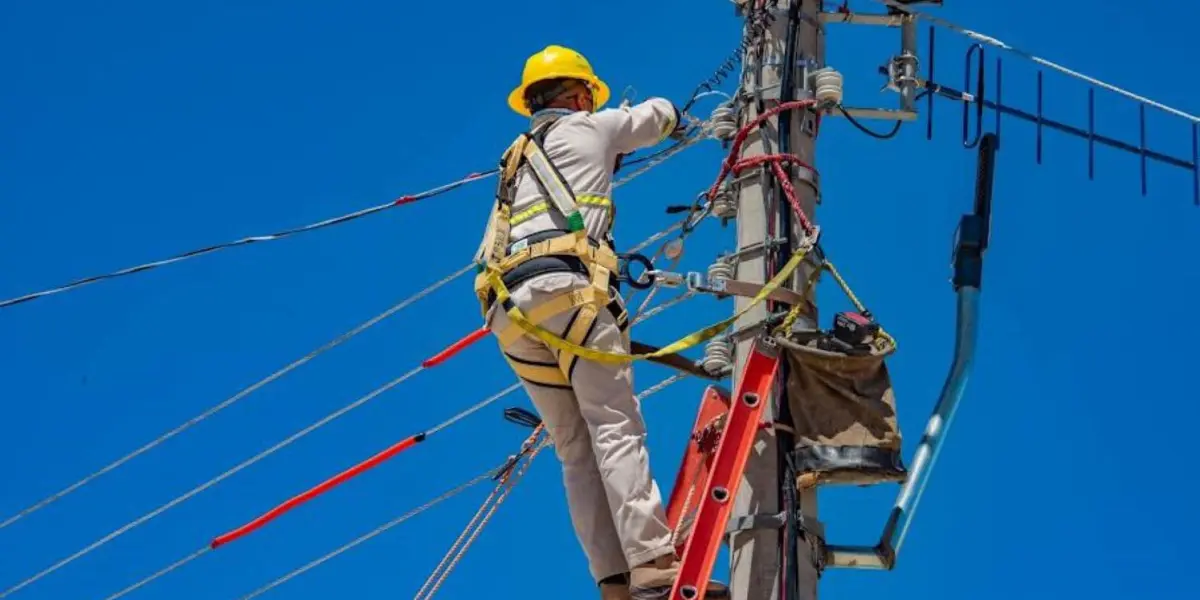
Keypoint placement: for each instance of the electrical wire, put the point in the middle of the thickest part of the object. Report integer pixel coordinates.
(254, 239)
(382, 528)
(402, 518)
(276, 375)
(986, 39)
(289, 232)
(508, 481)
(658, 387)
(235, 398)
(433, 361)
(660, 157)
(328, 484)
(329, 418)
(215, 480)
(352, 472)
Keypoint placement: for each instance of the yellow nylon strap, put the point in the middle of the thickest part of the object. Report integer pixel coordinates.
(512, 158)
(576, 335)
(560, 193)
(556, 305)
(884, 339)
(521, 320)
(543, 374)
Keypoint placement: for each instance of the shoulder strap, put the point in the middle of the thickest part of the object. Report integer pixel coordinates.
(549, 179)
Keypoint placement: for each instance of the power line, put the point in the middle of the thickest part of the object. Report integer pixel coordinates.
(652, 162)
(412, 513)
(508, 480)
(354, 471)
(658, 160)
(254, 525)
(434, 361)
(215, 480)
(235, 398)
(654, 389)
(253, 239)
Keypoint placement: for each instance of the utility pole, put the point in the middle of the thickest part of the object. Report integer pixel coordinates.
(772, 73)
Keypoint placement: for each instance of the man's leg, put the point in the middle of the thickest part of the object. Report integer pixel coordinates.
(556, 404)
(618, 434)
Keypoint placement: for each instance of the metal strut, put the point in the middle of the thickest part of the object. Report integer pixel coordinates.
(741, 424)
(971, 240)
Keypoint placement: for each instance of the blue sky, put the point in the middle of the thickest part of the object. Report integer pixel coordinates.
(136, 130)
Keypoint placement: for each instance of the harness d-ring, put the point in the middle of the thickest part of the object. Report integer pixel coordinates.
(627, 277)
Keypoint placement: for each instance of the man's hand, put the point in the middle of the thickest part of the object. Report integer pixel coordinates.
(681, 125)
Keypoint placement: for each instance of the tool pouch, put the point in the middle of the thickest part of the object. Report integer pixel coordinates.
(844, 413)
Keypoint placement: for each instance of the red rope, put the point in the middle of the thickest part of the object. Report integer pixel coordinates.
(732, 165)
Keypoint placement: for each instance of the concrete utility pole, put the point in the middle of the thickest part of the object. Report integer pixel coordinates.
(759, 538)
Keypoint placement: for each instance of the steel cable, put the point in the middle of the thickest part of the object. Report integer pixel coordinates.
(253, 239)
(215, 480)
(305, 359)
(658, 387)
(254, 525)
(306, 228)
(322, 422)
(235, 398)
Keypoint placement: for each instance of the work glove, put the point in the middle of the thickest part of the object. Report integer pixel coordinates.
(681, 125)
(617, 163)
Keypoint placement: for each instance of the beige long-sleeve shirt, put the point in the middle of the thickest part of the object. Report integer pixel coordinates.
(584, 147)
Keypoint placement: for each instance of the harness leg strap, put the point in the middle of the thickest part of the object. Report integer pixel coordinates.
(579, 329)
(538, 373)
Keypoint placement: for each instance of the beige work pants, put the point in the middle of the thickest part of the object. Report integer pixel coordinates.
(599, 436)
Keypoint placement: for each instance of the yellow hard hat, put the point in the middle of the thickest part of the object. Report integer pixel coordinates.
(554, 62)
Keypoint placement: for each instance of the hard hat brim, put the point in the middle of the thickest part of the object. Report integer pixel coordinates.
(600, 92)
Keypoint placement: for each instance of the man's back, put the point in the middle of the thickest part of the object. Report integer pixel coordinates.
(584, 147)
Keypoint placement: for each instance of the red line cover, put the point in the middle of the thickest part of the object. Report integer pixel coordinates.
(455, 348)
(321, 488)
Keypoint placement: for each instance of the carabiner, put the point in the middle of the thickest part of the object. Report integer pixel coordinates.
(647, 269)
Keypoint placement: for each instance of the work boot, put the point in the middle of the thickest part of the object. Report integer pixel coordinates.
(615, 587)
(654, 579)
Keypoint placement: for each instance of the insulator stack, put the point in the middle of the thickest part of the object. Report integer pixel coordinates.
(719, 272)
(724, 205)
(723, 121)
(828, 83)
(718, 356)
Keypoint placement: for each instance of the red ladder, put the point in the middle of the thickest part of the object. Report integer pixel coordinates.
(722, 469)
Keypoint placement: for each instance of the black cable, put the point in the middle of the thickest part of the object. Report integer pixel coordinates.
(863, 128)
(789, 502)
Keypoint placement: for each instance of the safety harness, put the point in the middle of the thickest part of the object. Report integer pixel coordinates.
(503, 264)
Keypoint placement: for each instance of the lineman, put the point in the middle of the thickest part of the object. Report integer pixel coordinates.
(550, 236)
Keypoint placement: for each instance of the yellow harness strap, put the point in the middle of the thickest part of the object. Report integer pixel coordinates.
(547, 375)
(567, 346)
(494, 262)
